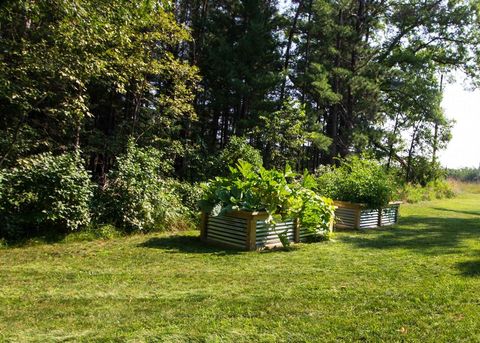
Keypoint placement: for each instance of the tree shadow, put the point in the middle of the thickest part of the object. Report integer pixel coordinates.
(472, 213)
(35, 239)
(426, 235)
(186, 244)
(469, 268)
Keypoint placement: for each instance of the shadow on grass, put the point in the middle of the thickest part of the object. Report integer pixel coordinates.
(186, 244)
(44, 238)
(471, 213)
(426, 235)
(291, 248)
(469, 268)
(189, 244)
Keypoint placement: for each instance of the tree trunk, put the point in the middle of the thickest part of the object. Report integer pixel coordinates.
(408, 176)
(287, 52)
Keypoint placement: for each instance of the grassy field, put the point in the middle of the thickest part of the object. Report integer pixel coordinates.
(418, 281)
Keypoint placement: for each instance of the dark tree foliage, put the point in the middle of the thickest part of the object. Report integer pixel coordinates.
(237, 50)
(302, 81)
(87, 75)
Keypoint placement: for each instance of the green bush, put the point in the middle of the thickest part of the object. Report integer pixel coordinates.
(252, 188)
(136, 196)
(442, 189)
(357, 179)
(44, 193)
(189, 195)
(237, 149)
(413, 193)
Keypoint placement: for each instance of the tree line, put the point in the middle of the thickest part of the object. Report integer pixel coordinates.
(302, 81)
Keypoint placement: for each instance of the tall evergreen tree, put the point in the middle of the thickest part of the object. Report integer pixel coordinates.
(237, 50)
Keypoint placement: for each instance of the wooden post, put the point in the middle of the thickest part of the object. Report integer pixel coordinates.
(203, 226)
(380, 211)
(358, 216)
(251, 243)
(296, 230)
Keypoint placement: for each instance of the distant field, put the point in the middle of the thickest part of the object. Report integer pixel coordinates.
(465, 187)
(419, 281)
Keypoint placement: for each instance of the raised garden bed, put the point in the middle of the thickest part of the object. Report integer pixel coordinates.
(350, 215)
(248, 230)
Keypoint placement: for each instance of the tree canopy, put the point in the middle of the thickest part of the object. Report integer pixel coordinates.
(303, 82)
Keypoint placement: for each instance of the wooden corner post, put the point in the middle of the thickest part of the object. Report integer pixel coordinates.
(296, 230)
(251, 241)
(380, 212)
(358, 216)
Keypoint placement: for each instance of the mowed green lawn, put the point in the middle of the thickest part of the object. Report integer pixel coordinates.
(419, 281)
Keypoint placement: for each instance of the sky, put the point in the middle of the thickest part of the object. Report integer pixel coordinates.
(463, 106)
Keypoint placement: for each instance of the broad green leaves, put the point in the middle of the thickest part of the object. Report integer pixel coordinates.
(44, 193)
(252, 188)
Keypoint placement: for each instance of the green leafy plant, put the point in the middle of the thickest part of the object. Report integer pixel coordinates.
(189, 195)
(45, 193)
(253, 188)
(357, 179)
(137, 197)
(237, 148)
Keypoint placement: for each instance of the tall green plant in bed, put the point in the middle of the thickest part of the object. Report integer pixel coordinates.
(357, 179)
(253, 188)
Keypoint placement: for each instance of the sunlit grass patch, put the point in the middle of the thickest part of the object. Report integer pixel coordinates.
(416, 281)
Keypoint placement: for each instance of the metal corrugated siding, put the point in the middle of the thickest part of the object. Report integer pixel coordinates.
(345, 216)
(225, 229)
(267, 234)
(369, 218)
(389, 215)
(304, 234)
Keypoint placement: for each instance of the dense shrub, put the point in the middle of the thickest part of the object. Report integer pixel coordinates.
(422, 171)
(237, 149)
(136, 196)
(254, 188)
(44, 193)
(189, 194)
(357, 179)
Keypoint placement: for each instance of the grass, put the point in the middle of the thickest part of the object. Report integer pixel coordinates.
(418, 281)
(465, 187)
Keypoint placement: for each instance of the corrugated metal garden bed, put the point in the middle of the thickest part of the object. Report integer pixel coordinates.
(249, 230)
(350, 215)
